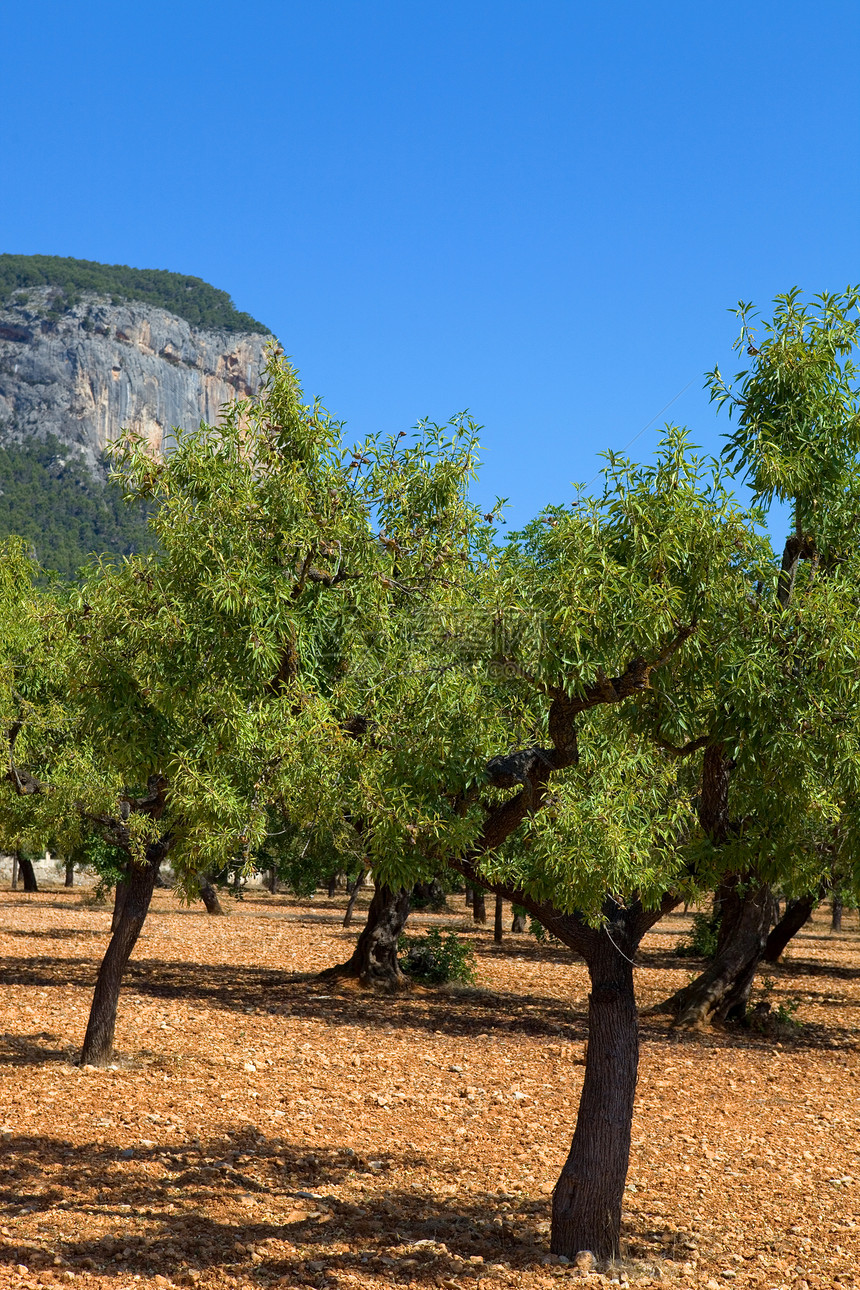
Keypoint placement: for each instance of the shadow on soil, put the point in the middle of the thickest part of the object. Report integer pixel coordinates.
(447, 1010)
(280, 1219)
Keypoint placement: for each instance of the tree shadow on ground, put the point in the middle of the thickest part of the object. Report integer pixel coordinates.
(58, 933)
(454, 1011)
(813, 967)
(34, 1050)
(264, 1209)
(257, 1208)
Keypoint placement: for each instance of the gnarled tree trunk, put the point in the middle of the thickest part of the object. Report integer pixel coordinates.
(745, 907)
(374, 960)
(721, 993)
(129, 918)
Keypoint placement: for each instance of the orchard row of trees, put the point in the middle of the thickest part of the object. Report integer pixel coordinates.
(632, 702)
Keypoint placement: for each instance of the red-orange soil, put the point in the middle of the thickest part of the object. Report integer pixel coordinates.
(262, 1128)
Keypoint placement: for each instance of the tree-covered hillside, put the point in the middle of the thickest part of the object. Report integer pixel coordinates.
(48, 497)
(190, 298)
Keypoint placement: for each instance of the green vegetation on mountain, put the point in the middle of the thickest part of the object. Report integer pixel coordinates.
(50, 498)
(190, 298)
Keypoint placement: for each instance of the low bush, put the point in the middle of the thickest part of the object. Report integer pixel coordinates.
(703, 938)
(436, 958)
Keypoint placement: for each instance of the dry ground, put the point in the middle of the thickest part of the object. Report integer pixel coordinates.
(260, 1128)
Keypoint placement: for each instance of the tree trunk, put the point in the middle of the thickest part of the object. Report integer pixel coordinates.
(520, 921)
(273, 881)
(209, 896)
(721, 993)
(586, 1207)
(497, 921)
(429, 895)
(119, 897)
(797, 913)
(70, 873)
(835, 917)
(353, 897)
(470, 897)
(374, 961)
(332, 885)
(479, 905)
(130, 917)
(25, 865)
(15, 871)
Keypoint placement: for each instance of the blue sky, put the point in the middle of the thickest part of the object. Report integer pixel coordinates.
(540, 211)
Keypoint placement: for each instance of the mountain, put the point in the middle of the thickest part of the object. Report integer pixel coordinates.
(65, 513)
(88, 350)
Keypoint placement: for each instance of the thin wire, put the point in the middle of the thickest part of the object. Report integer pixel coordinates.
(605, 928)
(648, 425)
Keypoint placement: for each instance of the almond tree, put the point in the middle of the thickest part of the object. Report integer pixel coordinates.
(658, 674)
(201, 684)
(796, 441)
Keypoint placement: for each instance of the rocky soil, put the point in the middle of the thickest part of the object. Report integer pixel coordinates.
(260, 1129)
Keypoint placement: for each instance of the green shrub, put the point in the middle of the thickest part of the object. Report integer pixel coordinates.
(436, 958)
(541, 935)
(703, 938)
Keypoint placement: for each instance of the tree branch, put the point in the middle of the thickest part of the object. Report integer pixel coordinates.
(692, 745)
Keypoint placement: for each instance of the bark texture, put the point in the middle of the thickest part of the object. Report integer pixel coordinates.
(374, 960)
(586, 1207)
(353, 897)
(797, 914)
(139, 886)
(25, 868)
(119, 895)
(209, 896)
(520, 922)
(479, 905)
(498, 930)
(721, 993)
(429, 895)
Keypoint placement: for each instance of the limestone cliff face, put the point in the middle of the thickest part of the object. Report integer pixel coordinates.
(99, 368)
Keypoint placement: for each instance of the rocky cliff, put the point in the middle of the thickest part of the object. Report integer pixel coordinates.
(86, 371)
